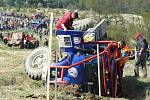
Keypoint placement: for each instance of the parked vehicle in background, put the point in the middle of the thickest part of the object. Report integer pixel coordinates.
(21, 39)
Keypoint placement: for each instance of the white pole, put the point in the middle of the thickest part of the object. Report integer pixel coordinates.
(56, 80)
(49, 53)
(98, 63)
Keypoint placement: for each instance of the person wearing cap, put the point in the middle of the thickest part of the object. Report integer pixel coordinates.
(141, 48)
(65, 22)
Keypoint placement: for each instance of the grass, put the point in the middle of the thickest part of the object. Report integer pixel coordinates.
(14, 84)
(135, 88)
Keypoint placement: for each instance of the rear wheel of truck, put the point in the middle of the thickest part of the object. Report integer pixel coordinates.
(36, 62)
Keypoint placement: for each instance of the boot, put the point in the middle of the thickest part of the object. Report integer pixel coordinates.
(136, 72)
(140, 72)
(144, 71)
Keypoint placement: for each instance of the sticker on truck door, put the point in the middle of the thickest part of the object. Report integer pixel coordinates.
(64, 40)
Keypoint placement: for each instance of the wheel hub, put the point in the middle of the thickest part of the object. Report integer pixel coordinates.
(39, 61)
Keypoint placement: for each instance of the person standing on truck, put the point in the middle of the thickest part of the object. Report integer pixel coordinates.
(141, 48)
(65, 22)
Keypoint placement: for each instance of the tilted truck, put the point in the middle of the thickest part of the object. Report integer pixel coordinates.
(80, 65)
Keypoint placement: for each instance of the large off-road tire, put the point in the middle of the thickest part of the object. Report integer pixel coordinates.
(36, 62)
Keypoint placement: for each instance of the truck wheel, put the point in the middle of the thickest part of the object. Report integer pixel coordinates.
(36, 62)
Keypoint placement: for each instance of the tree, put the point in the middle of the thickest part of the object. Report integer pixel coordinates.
(2, 3)
(10, 2)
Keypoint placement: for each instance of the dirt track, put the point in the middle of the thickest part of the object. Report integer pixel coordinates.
(16, 85)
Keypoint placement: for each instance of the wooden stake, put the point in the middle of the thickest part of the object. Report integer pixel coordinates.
(98, 63)
(135, 55)
(49, 53)
(13, 49)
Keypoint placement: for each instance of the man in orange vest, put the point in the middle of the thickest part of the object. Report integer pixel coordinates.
(123, 55)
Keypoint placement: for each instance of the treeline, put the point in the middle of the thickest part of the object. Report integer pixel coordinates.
(101, 6)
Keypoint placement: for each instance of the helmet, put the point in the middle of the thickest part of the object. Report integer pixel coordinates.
(137, 35)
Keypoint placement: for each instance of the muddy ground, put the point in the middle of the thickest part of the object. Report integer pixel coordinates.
(16, 85)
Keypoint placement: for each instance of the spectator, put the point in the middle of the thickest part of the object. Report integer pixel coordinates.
(1, 36)
(140, 64)
(46, 42)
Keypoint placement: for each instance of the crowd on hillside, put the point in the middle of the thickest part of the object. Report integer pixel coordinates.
(11, 21)
(14, 21)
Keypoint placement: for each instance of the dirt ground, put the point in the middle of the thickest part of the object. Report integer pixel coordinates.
(16, 85)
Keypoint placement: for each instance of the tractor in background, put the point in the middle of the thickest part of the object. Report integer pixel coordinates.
(21, 39)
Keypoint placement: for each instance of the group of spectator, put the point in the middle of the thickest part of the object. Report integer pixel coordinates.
(13, 21)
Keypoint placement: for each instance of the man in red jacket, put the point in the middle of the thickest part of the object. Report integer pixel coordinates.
(65, 22)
